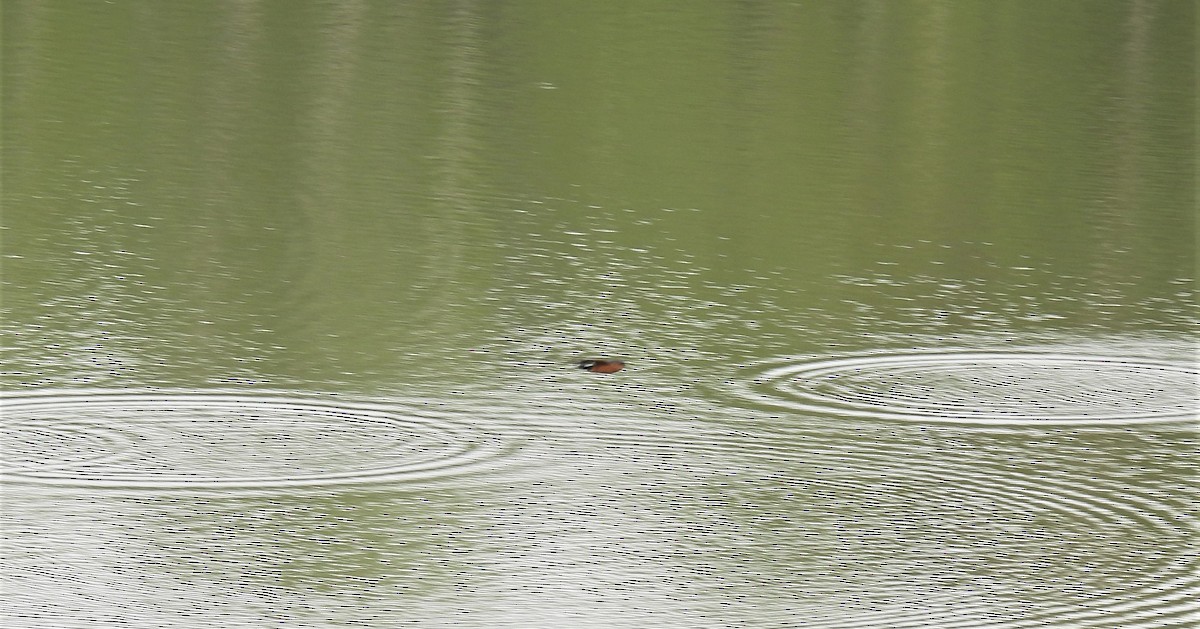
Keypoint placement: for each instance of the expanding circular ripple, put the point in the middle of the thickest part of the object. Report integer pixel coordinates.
(984, 388)
(190, 440)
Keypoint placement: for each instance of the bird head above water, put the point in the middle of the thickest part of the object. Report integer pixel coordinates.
(602, 366)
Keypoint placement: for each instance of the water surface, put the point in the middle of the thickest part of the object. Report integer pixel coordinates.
(293, 296)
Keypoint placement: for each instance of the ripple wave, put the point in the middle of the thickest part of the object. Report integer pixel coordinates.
(982, 387)
(983, 519)
(174, 440)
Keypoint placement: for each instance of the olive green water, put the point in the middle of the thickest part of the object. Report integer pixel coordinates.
(292, 294)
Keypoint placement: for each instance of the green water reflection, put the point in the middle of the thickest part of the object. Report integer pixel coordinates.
(288, 194)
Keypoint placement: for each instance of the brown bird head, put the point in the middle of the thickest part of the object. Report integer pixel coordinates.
(602, 366)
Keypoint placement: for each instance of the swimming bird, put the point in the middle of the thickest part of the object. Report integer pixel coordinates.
(602, 366)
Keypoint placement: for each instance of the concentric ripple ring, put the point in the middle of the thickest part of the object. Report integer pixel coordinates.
(175, 440)
(983, 388)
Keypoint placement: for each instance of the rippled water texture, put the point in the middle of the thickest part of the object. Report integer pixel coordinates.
(984, 387)
(294, 296)
(972, 498)
(185, 440)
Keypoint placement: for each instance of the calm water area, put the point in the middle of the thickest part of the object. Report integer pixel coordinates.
(294, 296)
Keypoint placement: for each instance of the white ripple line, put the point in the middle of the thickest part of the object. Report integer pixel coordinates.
(1154, 583)
(819, 368)
(469, 457)
(1051, 495)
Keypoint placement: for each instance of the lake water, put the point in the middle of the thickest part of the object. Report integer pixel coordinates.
(294, 296)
